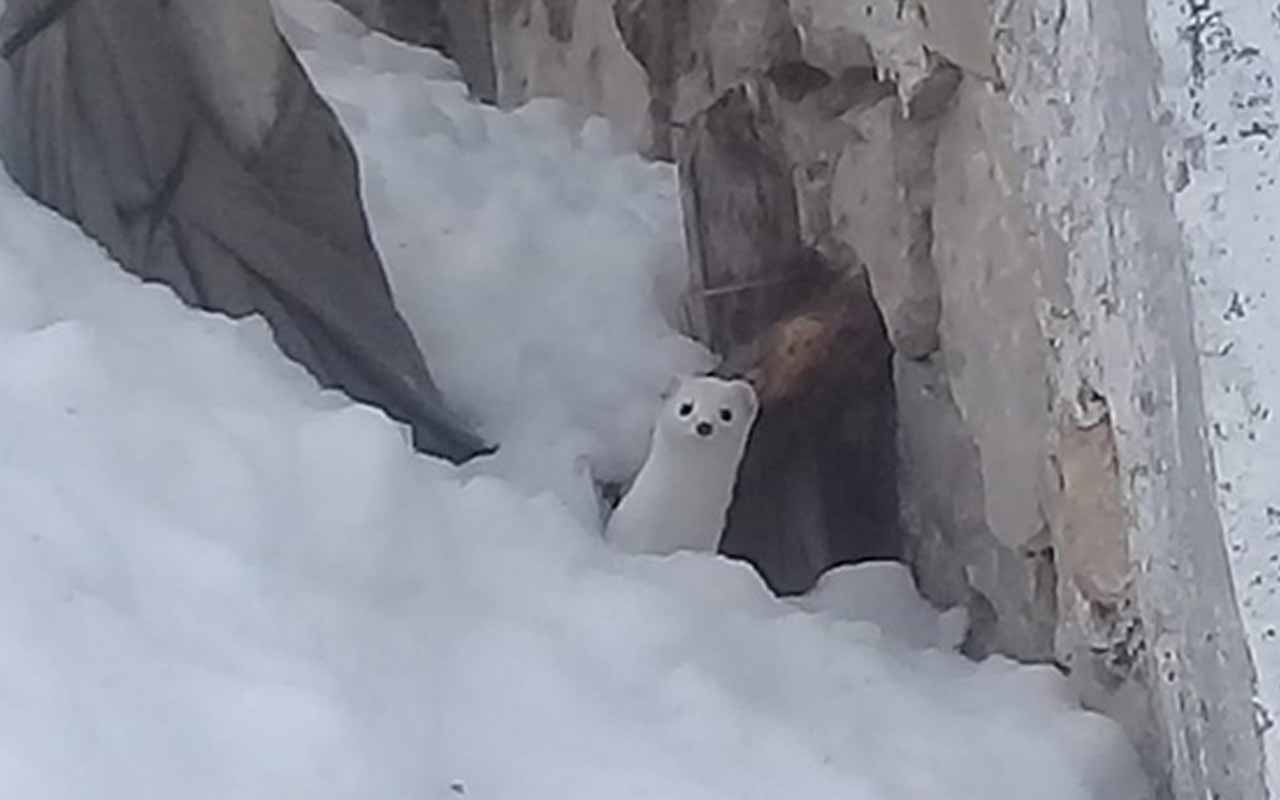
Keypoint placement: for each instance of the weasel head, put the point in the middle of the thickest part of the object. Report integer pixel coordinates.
(708, 413)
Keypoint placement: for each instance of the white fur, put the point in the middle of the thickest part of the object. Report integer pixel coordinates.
(681, 495)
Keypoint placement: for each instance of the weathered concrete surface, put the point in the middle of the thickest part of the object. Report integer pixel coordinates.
(693, 52)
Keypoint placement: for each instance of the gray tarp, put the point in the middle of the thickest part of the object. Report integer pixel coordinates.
(116, 128)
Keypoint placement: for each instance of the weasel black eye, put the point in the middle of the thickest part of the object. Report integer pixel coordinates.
(726, 415)
(686, 408)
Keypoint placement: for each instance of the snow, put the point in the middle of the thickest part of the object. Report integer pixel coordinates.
(543, 225)
(1221, 65)
(884, 593)
(219, 581)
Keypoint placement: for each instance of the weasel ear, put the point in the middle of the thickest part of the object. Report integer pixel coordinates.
(746, 395)
(673, 386)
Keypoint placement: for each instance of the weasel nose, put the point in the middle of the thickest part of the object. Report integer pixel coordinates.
(704, 429)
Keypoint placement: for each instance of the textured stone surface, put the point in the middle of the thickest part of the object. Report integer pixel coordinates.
(747, 262)
(815, 117)
(1091, 522)
(693, 52)
(887, 34)
(1090, 148)
(881, 206)
(1100, 634)
(995, 355)
(1010, 591)
(570, 49)
(961, 32)
(419, 21)
(657, 34)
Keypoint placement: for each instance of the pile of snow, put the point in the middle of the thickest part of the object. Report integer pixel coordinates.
(884, 594)
(218, 581)
(538, 266)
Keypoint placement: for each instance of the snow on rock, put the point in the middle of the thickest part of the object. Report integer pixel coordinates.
(538, 266)
(219, 581)
(1221, 62)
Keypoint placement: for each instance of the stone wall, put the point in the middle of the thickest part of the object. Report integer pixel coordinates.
(997, 180)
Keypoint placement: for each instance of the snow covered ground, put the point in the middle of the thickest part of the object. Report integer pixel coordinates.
(218, 581)
(1222, 62)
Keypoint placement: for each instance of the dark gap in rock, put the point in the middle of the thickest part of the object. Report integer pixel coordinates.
(796, 79)
(560, 15)
(818, 484)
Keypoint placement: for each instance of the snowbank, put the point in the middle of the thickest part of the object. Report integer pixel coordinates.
(537, 264)
(218, 581)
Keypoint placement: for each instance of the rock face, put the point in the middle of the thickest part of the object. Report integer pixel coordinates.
(570, 49)
(966, 224)
(511, 51)
(460, 28)
(187, 140)
(421, 22)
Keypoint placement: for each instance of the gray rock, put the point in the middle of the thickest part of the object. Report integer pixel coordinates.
(458, 28)
(993, 350)
(1086, 152)
(747, 262)
(421, 22)
(813, 123)
(694, 52)
(570, 50)
(961, 31)
(885, 34)
(1010, 591)
(229, 180)
(881, 207)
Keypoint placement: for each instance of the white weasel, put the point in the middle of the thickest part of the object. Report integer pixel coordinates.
(679, 499)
